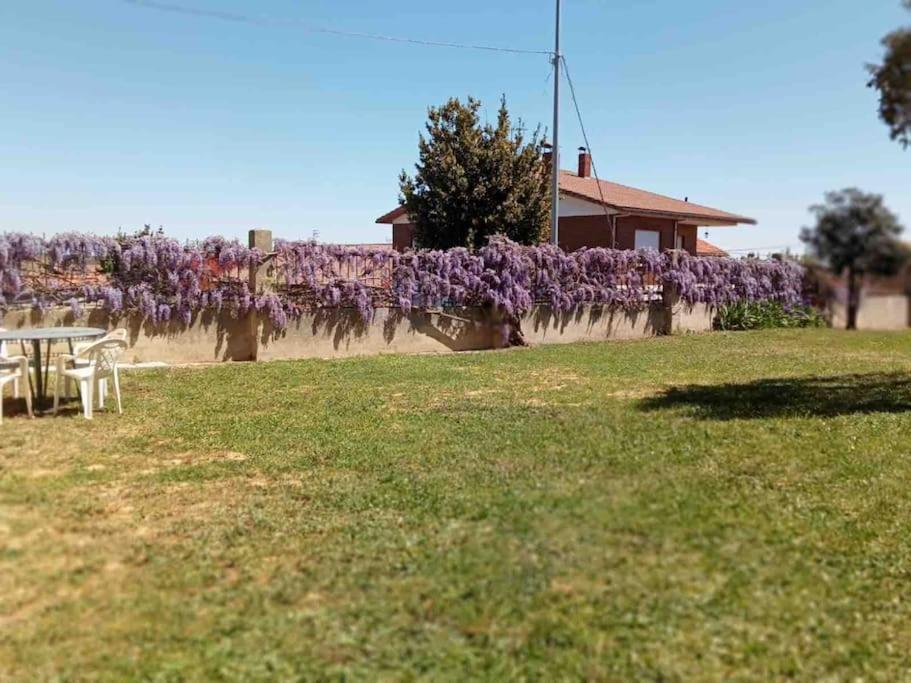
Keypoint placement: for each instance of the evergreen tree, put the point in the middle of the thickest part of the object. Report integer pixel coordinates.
(473, 181)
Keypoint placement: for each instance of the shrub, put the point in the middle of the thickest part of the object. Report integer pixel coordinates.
(761, 315)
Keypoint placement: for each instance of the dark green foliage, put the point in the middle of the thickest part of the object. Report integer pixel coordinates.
(856, 235)
(474, 180)
(763, 315)
(892, 79)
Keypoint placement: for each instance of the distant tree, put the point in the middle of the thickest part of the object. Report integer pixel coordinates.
(475, 180)
(892, 79)
(856, 235)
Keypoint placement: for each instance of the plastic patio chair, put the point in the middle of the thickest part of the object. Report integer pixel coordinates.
(15, 369)
(119, 333)
(7, 362)
(96, 362)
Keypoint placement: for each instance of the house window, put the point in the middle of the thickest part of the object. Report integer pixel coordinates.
(648, 239)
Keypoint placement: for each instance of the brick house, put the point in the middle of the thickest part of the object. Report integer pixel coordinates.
(593, 216)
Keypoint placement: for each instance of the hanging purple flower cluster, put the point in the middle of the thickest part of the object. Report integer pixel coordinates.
(17, 251)
(719, 281)
(611, 277)
(151, 274)
(315, 275)
(78, 251)
(165, 280)
(512, 278)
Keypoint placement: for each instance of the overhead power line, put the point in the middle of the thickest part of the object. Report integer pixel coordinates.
(267, 22)
(588, 147)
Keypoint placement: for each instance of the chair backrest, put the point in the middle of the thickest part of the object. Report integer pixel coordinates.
(103, 355)
(119, 333)
(2, 345)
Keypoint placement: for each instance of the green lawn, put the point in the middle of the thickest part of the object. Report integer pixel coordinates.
(725, 506)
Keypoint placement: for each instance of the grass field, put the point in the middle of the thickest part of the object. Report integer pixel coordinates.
(725, 506)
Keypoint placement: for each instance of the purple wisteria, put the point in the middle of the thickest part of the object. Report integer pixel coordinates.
(164, 280)
(512, 277)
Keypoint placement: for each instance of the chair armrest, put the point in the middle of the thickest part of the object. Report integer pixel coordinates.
(62, 360)
(19, 363)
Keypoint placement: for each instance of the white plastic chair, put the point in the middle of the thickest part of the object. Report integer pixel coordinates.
(96, 362)
(13, 369)
(119, 333)
(5, 362)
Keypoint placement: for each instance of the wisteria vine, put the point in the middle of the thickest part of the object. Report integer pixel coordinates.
(164, 280)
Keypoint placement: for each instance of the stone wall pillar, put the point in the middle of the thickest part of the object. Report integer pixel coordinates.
(670, 299)
(261, 239)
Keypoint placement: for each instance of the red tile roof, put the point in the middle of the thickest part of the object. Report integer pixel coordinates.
(704, 248)
(630, 200)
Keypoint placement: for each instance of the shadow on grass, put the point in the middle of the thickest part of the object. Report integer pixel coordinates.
(15, 408)
(791, 397)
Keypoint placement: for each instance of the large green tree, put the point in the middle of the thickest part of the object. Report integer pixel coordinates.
(892, 79)
(475, 180)
(856, 235)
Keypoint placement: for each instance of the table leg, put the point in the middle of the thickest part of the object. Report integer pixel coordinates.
(78, 391)
(39, 383)
(47, 364)
(30, 384)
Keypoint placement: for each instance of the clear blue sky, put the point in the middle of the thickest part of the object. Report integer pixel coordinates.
(114, 115)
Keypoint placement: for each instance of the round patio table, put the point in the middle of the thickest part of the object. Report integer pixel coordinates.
(36, 335)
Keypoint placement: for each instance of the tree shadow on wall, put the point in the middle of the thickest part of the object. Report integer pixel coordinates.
(547, 319)
(791, 397)
(233, 340)
(341, 325)
(344, 325)
(456, 329)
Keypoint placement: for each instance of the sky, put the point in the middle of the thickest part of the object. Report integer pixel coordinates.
(115, 115)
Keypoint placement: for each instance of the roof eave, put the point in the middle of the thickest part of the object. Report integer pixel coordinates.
(390, 217)
(730, 219)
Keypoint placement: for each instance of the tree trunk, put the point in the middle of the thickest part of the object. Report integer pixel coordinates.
(509, 329)
(853, 299)
(516, 336)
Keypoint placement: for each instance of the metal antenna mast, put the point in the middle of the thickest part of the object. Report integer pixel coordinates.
(555, 159)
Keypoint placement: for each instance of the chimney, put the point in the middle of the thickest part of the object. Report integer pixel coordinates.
(585, 163)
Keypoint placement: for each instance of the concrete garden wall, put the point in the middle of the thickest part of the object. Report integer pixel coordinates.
(877, 312)
(341, 332)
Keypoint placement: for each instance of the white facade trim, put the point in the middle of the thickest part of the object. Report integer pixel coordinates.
(574, 206)
(569, 208)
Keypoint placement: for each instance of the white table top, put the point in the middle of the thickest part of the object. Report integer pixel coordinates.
(51, 333)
